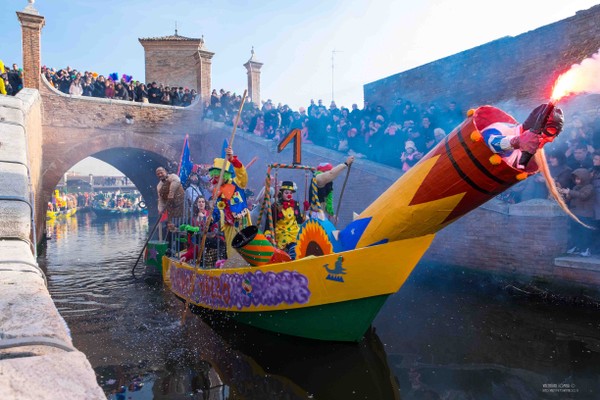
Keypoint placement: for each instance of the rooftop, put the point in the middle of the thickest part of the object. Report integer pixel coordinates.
(176, 37)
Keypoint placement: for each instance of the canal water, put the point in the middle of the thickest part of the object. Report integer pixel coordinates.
(447, 334)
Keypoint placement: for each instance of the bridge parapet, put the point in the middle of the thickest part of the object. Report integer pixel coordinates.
(110, 114)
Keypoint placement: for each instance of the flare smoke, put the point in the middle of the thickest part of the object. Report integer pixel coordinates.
(581, 78)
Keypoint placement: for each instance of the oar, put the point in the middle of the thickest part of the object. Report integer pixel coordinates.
(209, 219)
(147, 240)
(337, 211)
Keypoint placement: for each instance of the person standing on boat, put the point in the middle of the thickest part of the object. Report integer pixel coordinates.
(511, 140)
(288, 218)
(325, 175)
(214, 244)
(192, 192)
(170, 199)
(230, 208)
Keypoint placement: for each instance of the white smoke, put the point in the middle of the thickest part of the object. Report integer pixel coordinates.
(581, 78)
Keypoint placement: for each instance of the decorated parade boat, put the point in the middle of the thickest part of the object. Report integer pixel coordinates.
(61, 206)
(341, 278)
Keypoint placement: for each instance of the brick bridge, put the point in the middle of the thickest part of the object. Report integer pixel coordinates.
(135, 138)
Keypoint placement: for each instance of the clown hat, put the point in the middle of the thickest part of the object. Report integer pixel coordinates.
(218, 165)
(288, 185)
(324, 167)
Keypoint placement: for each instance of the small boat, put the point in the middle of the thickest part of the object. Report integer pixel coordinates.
(341, 278)
(107, 212)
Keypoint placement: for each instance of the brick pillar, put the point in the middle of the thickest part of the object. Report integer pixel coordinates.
(31, 27)
(253, 66)
(203, 73)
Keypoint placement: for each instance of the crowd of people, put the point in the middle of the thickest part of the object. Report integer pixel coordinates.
(398, 138)
(73, 82)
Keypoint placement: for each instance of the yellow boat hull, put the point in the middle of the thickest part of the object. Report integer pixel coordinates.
(330, 297)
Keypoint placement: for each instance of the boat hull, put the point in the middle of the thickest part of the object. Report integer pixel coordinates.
(332, 297)
(345, 321)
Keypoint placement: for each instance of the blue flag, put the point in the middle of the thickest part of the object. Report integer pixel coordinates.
(224, 155)
(186, 165)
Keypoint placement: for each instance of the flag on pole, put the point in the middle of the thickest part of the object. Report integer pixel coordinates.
(224, 156)
(186, 165)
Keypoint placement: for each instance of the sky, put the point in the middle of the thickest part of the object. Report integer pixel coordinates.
(311, 49)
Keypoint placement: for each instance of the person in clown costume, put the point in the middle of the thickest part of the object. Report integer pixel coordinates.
(230, 209)
(287, 217)
(324, 177)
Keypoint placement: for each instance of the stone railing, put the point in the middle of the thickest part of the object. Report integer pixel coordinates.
(37, 357)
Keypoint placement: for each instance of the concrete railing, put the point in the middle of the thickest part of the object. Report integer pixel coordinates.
(37, 357)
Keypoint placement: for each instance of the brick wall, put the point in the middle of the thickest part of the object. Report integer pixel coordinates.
(203, 73)
(519, 71)
(171, 63)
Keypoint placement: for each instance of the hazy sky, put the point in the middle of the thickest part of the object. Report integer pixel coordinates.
(294, 39)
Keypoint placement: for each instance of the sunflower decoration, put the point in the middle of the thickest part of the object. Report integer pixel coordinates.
(313, 240)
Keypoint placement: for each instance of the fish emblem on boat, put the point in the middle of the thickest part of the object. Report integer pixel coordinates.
(335, 274)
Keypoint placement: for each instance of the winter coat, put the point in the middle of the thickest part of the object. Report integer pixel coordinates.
(582, 196)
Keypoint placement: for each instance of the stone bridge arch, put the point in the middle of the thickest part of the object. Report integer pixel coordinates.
(135, 138)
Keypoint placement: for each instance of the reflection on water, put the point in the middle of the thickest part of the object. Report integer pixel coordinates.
(445, 335)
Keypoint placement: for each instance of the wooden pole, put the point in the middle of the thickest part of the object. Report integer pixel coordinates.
(337, 211)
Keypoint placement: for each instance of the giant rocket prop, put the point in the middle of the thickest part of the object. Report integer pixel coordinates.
(458, 175)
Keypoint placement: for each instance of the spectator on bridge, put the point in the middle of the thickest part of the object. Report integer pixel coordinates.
(109, 89)
(396, 114)
(88, 87)
(560, 171)
(154, 93)
(581, 200)
(177, 96)
(581, 157)
(131, 91)
(188, 97)
(120, 92)
(165, 98)
(141, 93)
(15, 78)
(410, 156)
(76, 89)
(438, 135)
(64, 81)
(451, 117)
(426, 130)
(100, 86)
